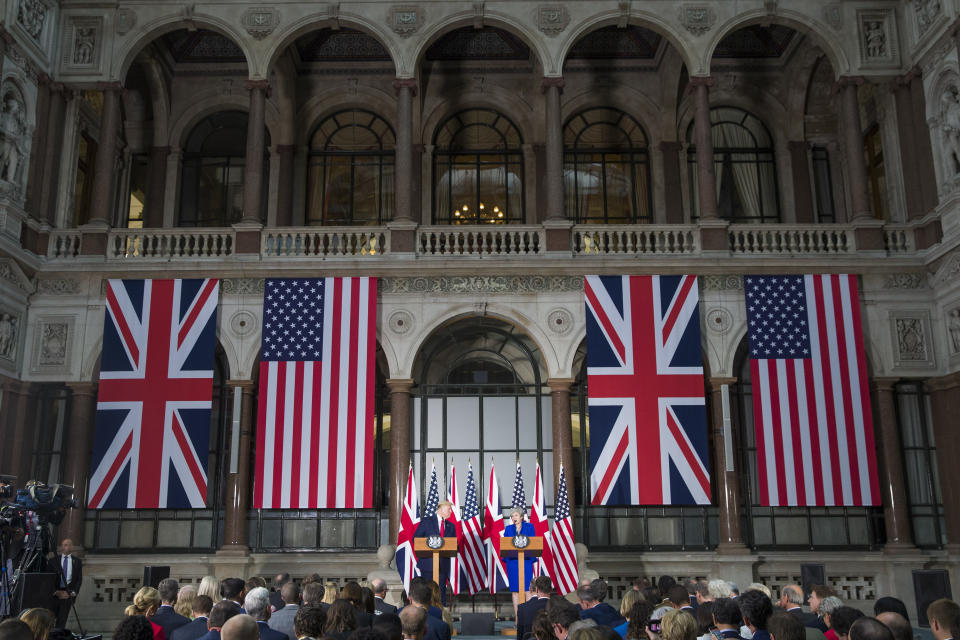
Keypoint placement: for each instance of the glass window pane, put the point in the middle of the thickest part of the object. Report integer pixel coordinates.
(791, 531)
(173, 533)
(527, 410)
(499, 423)
(434, 423)
(463, 423)
(665, 531)
(136, 533)
(415, 425)
(202, 533)
(337, 533)
(300, 533)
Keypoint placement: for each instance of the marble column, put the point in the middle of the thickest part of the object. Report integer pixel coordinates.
(171, 185)
(76, 467)
(553, 149)
(21, 449)
(725, 472)
(253, 165)
(672, 184)
(912, 193)
(39, 142)
(400, 419)
(802, 185)
(926, 173)
(49, 178)
(896, 511)
(405, 90)
(285, 184)
(238, 484)
(853, 143)
(706, 175)
(562, 432)
(945, 396)
(158, 187)
(101, 192)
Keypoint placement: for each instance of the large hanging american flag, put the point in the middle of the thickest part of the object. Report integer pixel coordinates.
(559, 548)
(492, 534)
(404, 558)
(156, 382)
(814, 430)
(315, 422)
(471, 546)
(646, 397)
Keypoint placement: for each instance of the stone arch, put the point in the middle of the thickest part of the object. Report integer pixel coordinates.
(159, 97)
(184, 123)
(634, 103)
(493, 97)
(802, 23)
(332, 99)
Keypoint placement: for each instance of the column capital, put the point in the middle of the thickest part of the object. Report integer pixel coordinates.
(848, 81)
(560, 384)
(908, 77)
(551, 82)
(82, 388)
(700, 81)
(109, 86)
(718, 381)
(246, 384)
(400, 385)
(405, 83)
(262, 85)
(881, 383)
(943, 383)
(286, 148)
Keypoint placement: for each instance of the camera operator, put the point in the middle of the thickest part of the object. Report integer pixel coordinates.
(70, 575)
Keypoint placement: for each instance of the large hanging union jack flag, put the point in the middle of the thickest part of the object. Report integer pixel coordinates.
(646, 399)
(156, 383)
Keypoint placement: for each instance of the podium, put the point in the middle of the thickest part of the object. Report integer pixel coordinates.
(438, 548)
(533, 548)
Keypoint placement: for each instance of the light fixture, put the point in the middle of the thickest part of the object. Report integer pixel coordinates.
(481, 206)
(500, 214)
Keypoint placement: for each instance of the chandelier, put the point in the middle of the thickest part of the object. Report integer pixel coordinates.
(484, 215)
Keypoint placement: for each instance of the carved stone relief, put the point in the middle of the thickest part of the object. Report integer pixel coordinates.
(400, 322)
(260, 21)
(878, 37)
(58, 286)
(697, 19)
(82, 44)
(405, 19)
(11, 272)
(552, 19)
(926, 11)
(32, 15)
(719, 320)
(833, 15)
(560, 321)
(242, 286)
(481, 284)
(9, 331)
(911, 331)
(52, 343)
(953, 331)
(125, 21)
(243, 323)
(15, 138)
(950, 125)
(722, 283)
(905, 281)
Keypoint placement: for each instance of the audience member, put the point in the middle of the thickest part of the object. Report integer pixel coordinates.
(146, 601)
(562, 615)
(791, 601)
(540, 588)
(341, 620)
(677, 595)
(309, 622)
(591, 608)
(414, 622)
(315, 577)
(436, 604)
(257, 604)
(678, 625)
(898, 625)
(13, 629)
(542, 629)
(276, 598)
(379, 587)
(365, 633)
(165, 616)
(233, 589)
(252, 583)
(130, 628)
(895, 605)
(39, 620)
(219, 614)
(942, 613)
(210, 587)
(827, 606)
(842, 619)
(718, 589)
(353, 593)
(198, 627)
(185, 598)
(785, 626)
(690, 585)
(593, 632)
(367, 602)
(703, 593)
(762, 588)
(664, 584)
(867, 628)
(330, 593)
(389, 626)
(638, 619)
(421, 595)
(726, 618)
(817, 593)
(756, 609)
(241, 627)
(314, 594)
(600, 589)
(734, 589)
(704, 617)
(282, 618)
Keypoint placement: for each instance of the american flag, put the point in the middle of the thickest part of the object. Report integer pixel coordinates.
(538, 518)
(812, 417)
(405, 558)
(519, 494)
(156, 383)
(315, 422)
(492, 534)
(455, 582)
(471, 545)
(560, 549)
(433, 494)
(646, 395)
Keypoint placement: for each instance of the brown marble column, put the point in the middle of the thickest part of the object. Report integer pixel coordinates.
(906, 131)
(400, 418)
(945, 396)
(76, 468)
(24, 424)
(926, 173)
(405, 89)
(553, 149)
(253, 164)
(672, 202)
(157, 187)
(725, 474)
(40, 141)
(101, 192)
(896, 512)
(238, 484)
(802, 185)
(562, 432)
(50, 174)
(285, 185)
(706, 175)
(853, 143)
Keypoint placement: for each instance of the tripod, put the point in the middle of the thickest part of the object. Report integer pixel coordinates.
(33, 560)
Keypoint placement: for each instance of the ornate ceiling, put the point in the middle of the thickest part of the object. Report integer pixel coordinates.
(756, 42)
(341, 45)
(202, 46)
(611, 43)
(487, 43)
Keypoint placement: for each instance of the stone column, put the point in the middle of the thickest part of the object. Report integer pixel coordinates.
(553, 150)
(285, 185)
(171, 185)
(562, 432)
(101, 192)
(21, 450)
(49, 179)
(405, 90)
(157, 188)
(727, 478)
(912, 192)
(253, 165)
(76, 468)
(673, 205)
(39, 142)
(896, 512)
(853, 143)
(945, 396)
(400, 418)
(926, 173)
(706, 175)
(238, 484)
(802, 185)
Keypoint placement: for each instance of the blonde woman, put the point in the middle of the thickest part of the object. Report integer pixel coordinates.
(185, 598)
(210, 587)
(677, 625)
(330, 592)
(40, 622)
(145, 603)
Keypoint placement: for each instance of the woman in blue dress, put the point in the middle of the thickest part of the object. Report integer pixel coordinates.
(518, 526)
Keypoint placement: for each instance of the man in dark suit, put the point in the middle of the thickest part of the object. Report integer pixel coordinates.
(69, 569)
(165, 616)
(313, 593)
(541, 586)
(198, 626)
(276, 599)
(591, 608)
(420, 595)
(233, 589)
(219, 614)
(436, 525)
(379, 587)
(282, 618)
(257, 604)
(791, 601)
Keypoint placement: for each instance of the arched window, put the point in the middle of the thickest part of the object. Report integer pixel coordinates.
(211, 185)
(350, 170)
(744, 162)
(606, 170)
(478, 169)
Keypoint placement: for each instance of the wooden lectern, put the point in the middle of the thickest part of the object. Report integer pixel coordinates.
(422, 549)
(533, 548)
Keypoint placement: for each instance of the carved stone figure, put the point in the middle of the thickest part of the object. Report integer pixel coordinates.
(927, 11)
(31, 15)
(950, 117)
(8, 335)
(953, 324)
(13, 129)
(876, 39)
(84, 44)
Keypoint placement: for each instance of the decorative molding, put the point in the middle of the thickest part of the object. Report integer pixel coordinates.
(949, 270)
(9, 335)
(400, 322)
(242, 286)
(82, 45)
(124, 21)
(913, 280)
(878, 38)
(51, 344)
(243, 323)
(697, 18)
(481, 284)
(719, 320)
(11, 272)
(953, 331)
(552, 19)
(833, 16)
(32, 18)
(926, 13)
(910, 330)
(722, 283)
(405, 20)
(560, 321)
(58, 286)
(260, 21)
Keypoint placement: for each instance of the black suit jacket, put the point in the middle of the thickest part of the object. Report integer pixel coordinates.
(276, 601)
(192, 630)
(363, 618)
(383, 607)
(527, 613)
(437, 629)
(169, 619)
(429, 526)
(808, 618)
(76, 573)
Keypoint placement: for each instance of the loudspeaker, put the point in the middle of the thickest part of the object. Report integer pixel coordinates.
(476, 624)
(153, 575)
(810, 575)
(36, 590)
(929, 585)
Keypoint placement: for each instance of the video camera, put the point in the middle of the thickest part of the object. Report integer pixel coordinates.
(49, 502)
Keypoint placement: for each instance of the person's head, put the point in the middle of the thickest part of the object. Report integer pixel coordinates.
(690, 585)
(843, 618)
(232, 589)
(279, 580)
(168, 588)
(253, 583)
(889, 603)
(330, 593)
(146, 601)
(436, 597)
(379, 586)
(898, 625)
(543, 585)
(583, 631)
(341, 616)
(413, 622)
(755, 608)
(599, 588)
(290, 592)
(130, 628)
(240, 627)
(257, 603)
(389, 626)
(66, 546)
(313, 593)
(210, 586)
(444, 509)
(664, 584)
(421, 594)
(365, 633)
(221, 612)
(718, 589)
(726, 613)
(704, 617)
(352, 593)
(309, 621)
(542, 630)
(313, 577)
(785, 626)
(366, 600)
(185, 598)
(762, 588)
(586, 597)
(562, 614)
(703, 594)
(39, 620)
(817, 593)
(201, 606)
(678, 596)
(516, 517)
(678, 625)
(941, 614)
(639, 617)
(867, 628)
(827, 606)
(734, 589)
(791, 597)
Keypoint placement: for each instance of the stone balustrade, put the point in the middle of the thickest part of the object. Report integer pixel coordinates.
(632, 240)
(791, 239)
(170, 243)
(329, 242)
(480, 240)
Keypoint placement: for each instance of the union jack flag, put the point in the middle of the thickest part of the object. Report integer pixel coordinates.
(404, 558)
(646, 398)
(492, 534)
(156, 382)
